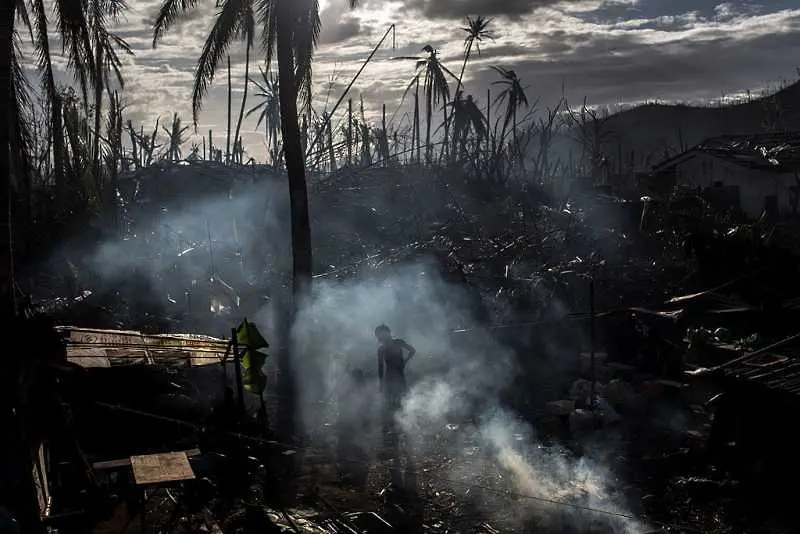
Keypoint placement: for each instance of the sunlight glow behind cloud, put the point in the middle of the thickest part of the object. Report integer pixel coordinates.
(610, 51)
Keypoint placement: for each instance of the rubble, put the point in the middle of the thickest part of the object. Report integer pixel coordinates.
(654, 310)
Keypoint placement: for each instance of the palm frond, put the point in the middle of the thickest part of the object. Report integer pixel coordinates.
(267, 17)
(73, 26)
(304, 43)
(227, 26)
(168, 14)
(20, 104)
(42, 48)
(21, 10)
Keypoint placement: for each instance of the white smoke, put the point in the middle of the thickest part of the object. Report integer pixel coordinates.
(454, 383)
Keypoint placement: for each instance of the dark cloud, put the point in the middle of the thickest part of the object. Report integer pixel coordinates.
(609, 69)
(661, 12)
(461, 8)
(338, 24)
(200, 12)
(338, 31)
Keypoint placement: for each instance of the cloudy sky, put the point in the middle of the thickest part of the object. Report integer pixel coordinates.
(609, 51)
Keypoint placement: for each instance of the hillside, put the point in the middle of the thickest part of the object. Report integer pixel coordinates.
(645, 134)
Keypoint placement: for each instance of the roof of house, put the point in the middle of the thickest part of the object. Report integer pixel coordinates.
(775, 367)
(779, 152)
(780, 372)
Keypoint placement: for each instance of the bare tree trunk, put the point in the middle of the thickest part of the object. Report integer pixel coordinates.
(331, 150)
(350, 131)
(298, 198)
(244, 96)
(385, 136)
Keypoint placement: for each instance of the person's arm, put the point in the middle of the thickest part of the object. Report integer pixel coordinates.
(411, 350)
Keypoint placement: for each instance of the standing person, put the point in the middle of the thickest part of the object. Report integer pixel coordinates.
(353, 426)
(391, 367)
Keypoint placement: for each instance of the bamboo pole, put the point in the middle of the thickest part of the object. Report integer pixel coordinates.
(353, 81)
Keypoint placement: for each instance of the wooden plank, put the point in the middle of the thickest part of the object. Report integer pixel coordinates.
(99, 348)
(125, 462)
(160, 468)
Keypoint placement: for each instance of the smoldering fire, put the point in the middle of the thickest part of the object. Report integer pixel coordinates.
(455, 385)
(454, 381)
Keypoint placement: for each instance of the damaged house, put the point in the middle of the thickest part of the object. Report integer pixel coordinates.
(753, 174)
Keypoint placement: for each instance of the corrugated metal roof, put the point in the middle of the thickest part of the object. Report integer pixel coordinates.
(773, 371)
(775, 151)
(91, 347)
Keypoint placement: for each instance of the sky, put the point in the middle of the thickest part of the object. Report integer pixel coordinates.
(611, 52)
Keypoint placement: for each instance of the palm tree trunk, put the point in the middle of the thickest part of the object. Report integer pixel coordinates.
(459, 88)
(7, 307)
(98, 105)
(416, 123)
(57, 124)
(228, 143)
(464, 65)
(428, 119)
(514, 133)
(445, 150)
(298, 198)
(244, 95)
(414, 130)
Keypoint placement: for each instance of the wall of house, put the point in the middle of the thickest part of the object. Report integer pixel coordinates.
(756, 188)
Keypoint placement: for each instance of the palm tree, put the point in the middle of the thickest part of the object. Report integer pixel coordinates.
(435, 87)
(249, 35)
(477, 30)
(106, 61)
(270, 110)
(289, 31)
(75, 36)
(514, 96)
(176, 137)
(466, 117)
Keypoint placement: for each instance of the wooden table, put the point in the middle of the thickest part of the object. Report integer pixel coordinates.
(151, 470)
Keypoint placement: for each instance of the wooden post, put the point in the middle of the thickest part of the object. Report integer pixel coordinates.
(237, 365)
